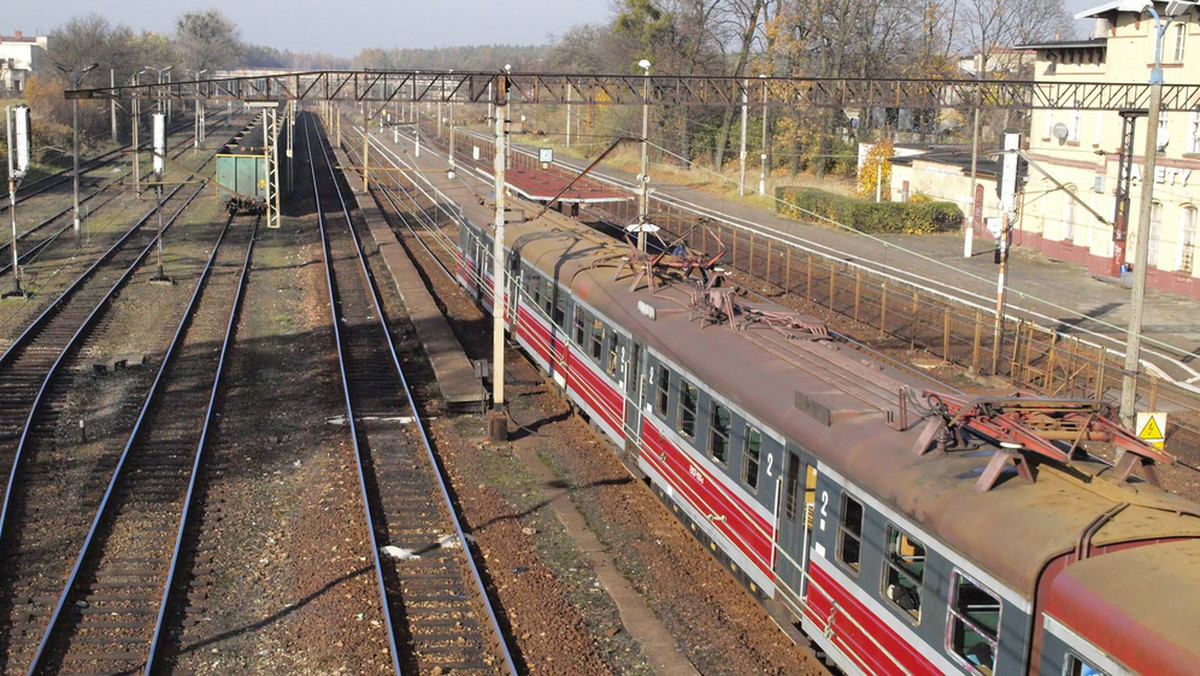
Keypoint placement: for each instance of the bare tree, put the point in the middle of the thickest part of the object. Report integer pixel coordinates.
(207, 41)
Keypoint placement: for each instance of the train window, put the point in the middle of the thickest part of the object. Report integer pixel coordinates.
(1077, 666)
(612, 362)
(751, 454)
(662, 390)
(580, 322)
(533, 288)
(972, 624)
(560, 309)
(718, 433)
(904, 568)
(793, 481)
(597, 339)
(689, 396)
(850, 526)
(548, 298)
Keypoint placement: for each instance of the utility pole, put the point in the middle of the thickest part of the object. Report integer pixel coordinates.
(1008, 189)
(1133, 347)
(497, 420)
(16, 170)
(644, 177)
(75, 75)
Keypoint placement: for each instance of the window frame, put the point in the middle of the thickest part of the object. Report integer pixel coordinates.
(718, 430)
(959, 617)
(662, 391)
(749, 477)
(843, 532)
(1189, 221)
(894, 562)
(687, 418)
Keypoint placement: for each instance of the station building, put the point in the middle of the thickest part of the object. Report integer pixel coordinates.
(1081, 149)
(20, 57)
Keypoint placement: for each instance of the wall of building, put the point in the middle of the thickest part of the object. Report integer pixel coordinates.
(1081, 150)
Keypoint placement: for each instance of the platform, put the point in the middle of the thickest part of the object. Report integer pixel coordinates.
(460, 386)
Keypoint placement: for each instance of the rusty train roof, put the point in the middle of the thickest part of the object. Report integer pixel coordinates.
(1011, 530)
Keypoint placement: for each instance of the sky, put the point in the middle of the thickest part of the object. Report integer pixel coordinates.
(339, 27)
(344, 28)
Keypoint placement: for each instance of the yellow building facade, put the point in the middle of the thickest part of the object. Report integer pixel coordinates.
(1081, 150)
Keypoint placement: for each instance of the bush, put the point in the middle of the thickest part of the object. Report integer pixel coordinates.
(910, 218)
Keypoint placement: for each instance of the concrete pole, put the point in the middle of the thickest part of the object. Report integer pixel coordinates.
(137, 149)
(762, 175)
(742, 151)
(112, 105)
(569, 114)
(497, 422)
(644, 177)
(1133, 346)
(12, 205)
(366, 144)
(969, 226)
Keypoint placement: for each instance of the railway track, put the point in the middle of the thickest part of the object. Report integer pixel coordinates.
(109, 617)
(52, 486)
(441, 619)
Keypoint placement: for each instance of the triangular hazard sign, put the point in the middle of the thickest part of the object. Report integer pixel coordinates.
(1151, 431)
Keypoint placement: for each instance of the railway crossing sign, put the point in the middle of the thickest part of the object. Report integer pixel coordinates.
(1151, 426)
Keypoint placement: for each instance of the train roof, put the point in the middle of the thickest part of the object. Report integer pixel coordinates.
(1151, 625)
(844, 406)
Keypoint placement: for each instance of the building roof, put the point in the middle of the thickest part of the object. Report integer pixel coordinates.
(1090, 43)
(1135, 6)
(985, 164)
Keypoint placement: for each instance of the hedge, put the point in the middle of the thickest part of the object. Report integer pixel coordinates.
(910, 218)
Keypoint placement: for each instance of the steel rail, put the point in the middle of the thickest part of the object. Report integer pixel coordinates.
(434, 466)
(104, 510)
(347, 401)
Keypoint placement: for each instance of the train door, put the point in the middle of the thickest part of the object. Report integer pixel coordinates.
(632, 387)
(794, 516)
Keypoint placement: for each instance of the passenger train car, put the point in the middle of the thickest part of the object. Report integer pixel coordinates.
(904, 530)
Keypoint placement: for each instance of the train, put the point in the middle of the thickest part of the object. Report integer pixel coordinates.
(905, 528)
(241, 177)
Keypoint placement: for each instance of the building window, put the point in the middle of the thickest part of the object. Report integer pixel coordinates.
(662, 390)
(1049, 125)
(1187, 239)
(1193, 145)
(1156, 214)
(1180, 34)
(973, 620)
(718, 434)
(850, 527)
(689, 396)
(903, 570)
(1099, 127)
(751, 455)
(1068, 219)
(1076, 123)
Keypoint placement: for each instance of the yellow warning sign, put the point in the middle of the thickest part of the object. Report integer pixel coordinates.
(1150, 426)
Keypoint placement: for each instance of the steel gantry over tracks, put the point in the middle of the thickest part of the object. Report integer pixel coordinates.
(546, 88)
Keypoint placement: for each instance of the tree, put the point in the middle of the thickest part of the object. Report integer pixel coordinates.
(207, 41)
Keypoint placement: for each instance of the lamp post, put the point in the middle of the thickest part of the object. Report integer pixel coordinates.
(198, 116)
(75, 75)
(1133, 345)
(644, 177)
(161, 72)
(137, 123)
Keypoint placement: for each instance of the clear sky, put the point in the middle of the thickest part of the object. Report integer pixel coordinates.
(338, 27)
